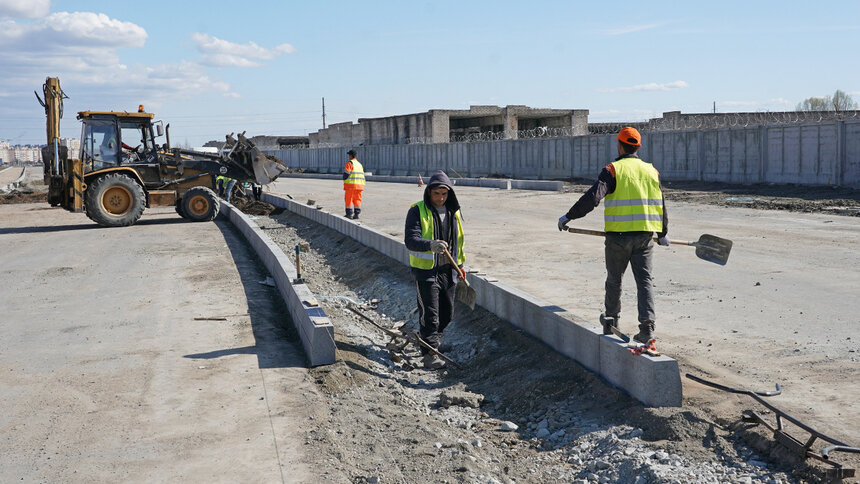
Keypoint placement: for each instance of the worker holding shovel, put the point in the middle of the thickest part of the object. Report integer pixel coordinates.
(634, 211)
(433, 227)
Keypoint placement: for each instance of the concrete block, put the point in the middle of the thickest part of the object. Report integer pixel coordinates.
(314, 328)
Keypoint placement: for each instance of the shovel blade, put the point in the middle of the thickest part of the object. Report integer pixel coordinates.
(466, 295)
(713, 249)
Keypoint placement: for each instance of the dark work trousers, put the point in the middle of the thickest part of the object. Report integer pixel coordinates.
(635, 249)
(436, 306)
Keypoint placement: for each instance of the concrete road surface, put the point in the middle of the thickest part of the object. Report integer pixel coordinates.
(783, 310)
(106, 376)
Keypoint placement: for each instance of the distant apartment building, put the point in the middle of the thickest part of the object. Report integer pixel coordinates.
(20, 154)
(74, 146)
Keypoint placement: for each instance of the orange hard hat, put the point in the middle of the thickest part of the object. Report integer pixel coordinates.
(630, 136)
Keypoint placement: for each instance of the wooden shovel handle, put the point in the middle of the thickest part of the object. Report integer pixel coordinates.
(601, 234)
(460, 271)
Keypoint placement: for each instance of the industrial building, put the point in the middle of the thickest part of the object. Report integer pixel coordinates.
(444, 125)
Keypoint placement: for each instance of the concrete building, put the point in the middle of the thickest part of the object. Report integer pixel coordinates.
(445, 125)
(20, 154)
(74, 146)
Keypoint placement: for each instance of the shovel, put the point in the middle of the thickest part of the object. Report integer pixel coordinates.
(709, 247)
(465, 293)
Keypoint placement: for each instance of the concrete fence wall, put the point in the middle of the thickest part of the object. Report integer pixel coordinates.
(823, 153)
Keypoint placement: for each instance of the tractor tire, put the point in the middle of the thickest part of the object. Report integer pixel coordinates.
(200, 204)
(114, 200)
(179, 209)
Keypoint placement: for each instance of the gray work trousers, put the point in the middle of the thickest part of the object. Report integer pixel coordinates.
(635, 249)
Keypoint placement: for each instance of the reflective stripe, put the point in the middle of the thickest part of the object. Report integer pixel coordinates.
(422, 255)
(636, 201)
(635, 216)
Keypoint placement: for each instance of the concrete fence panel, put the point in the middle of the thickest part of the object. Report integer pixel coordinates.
(823, 153)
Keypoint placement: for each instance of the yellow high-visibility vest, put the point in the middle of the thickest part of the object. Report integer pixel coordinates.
(356, 176)
(636, 205)
(427, 260)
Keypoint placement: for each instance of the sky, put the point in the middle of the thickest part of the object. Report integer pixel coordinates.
(214, 67)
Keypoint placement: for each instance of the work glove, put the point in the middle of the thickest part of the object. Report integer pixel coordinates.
(437, 246)
(664, 240)
(562, 223)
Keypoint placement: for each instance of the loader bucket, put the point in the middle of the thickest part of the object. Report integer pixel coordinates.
(267, 168)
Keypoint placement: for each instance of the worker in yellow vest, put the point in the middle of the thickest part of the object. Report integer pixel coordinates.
(353, 185)
(434, 225)
(634, 211)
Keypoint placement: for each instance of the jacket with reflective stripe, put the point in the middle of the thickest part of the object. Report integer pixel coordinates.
(427, 260)
(636, 205)
(355, 179)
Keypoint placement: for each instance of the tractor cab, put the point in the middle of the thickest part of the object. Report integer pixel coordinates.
(114, 139)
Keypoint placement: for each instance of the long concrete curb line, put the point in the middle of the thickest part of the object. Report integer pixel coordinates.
(504, 184)
(311, 322)
(654, 381)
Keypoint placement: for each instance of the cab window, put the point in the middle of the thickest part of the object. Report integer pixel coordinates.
(136, 142)
(99, 145)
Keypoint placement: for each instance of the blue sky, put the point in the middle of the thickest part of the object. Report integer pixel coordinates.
(212, 67)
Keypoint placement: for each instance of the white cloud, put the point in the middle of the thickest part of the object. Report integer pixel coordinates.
(81, 48)
(653, 86)
(24, 8)
(64, 32)
(221, 53)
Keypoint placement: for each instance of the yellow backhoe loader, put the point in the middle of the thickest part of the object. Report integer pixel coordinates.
(121, 170)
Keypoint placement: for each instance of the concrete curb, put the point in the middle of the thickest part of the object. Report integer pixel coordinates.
(653, 381)
(311, 322)
(504, 184)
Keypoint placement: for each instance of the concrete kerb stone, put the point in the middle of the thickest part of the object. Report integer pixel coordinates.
(654, 381)
(315, 330)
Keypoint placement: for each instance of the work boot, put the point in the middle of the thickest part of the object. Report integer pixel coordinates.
(355, 216)
(608, 322)
(645, 334)
(433, 362)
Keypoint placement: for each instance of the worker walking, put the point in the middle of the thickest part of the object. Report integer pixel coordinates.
(353, 185)
(434, 225)
(634, 210)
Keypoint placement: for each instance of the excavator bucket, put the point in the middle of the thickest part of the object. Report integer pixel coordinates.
(263, 168)
(267, 168)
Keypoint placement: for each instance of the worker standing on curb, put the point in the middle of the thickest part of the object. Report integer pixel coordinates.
(434, 225)
(353, 185)
(634, 210)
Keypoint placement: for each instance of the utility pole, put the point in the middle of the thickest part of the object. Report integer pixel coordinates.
(323, 99)
(715, 107)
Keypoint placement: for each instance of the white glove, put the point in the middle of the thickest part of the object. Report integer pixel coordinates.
(437, 246)
(562, 223)
(664, 240)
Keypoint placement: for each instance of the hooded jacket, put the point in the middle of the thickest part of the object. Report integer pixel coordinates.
(412, 237)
